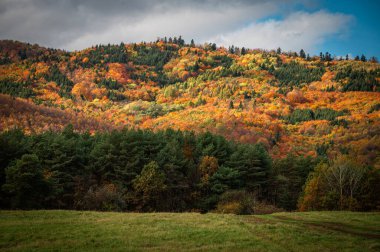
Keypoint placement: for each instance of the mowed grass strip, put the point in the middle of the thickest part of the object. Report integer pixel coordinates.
(57, 230)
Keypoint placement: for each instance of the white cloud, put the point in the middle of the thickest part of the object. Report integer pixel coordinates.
(300, 30)
(78, 24)
(190, 22)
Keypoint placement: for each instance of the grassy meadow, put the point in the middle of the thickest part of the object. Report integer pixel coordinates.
(107, 231)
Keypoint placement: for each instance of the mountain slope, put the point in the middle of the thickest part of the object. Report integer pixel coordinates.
(309, 106)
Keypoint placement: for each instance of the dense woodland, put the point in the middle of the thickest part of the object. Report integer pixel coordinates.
(134, 170)
(176, 126)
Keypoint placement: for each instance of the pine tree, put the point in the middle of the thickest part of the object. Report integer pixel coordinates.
(26, 183)
(373, 59)
(213, 46)
(192, 44)
(231, 49)
(231, 106)
(173, 163)
(224, 179)
(302, 54)
(181, 41)
(328, 56)
(321, 56)
(253, 165)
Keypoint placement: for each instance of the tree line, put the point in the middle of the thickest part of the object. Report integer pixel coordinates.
(135, 170)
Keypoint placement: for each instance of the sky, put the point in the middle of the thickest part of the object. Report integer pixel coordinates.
(338, 26)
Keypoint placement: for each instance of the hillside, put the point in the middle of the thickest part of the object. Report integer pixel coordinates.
(170, 126)
(289, 102)
(95, 231)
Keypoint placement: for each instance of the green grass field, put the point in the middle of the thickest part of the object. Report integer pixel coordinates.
(91, 231)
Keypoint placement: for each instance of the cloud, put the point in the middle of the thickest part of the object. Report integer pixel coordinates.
(300, 30)
(77, 24)
(200, 22)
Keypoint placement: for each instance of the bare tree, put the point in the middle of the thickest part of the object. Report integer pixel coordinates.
(344, 176)
(355, 176)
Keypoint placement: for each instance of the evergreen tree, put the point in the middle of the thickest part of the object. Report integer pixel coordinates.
(174, 165)
(328, 56)
(231, 106)
(181, 41)
(288, 176)
(26, 183)
(225, 179)
(321, 56)
(302, 54)
(253, 165)
(373, 59)
(192, 44)
(231, 49)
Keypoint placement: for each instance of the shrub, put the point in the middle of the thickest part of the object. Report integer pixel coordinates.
(266, 208)
(103, 198)
(237, 202)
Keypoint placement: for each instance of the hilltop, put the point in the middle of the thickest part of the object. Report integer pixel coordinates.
(290, 102)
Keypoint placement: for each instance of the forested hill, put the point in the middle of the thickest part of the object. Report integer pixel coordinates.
(290, 102)
(175, 126)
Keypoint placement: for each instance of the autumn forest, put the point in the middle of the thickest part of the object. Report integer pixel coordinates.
(173, 125)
